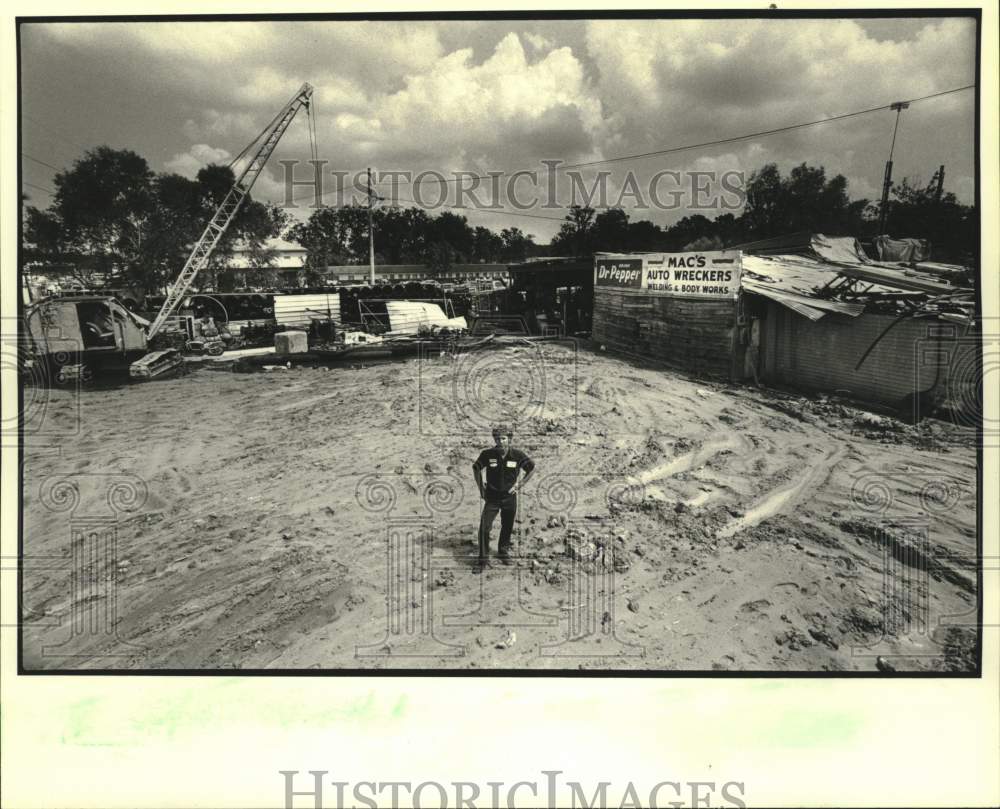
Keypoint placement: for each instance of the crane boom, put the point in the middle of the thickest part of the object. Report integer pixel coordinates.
(227, 211)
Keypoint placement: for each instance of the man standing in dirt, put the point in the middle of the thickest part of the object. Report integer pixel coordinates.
(502, 464)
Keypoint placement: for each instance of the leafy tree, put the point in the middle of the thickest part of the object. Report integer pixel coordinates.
(516, 245)
(688, 230)
(325, 236)
(574, 237)
(610, 231)
(440, 256)
(401, 234)
(728, 229)
(45, 245)
(916, 211)
(451, 231)
(101, 210)
(803, 201)
(644, 235)
(763, 213)
(487, 246)
(703, 243)
(111, 214)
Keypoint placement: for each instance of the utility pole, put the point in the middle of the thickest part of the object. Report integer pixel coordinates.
(371, 232)
(940, 184)
(898, 106)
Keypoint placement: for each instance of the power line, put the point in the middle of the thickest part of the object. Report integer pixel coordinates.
(52, 134)
(46, 190)
(764, 133)
(705, 144)
(25, 154)
(761, 134)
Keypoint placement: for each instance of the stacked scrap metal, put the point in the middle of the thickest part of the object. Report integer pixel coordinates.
(821, 274)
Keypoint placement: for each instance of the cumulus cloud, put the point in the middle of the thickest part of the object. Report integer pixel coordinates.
(537, 41)
(689, 81)
(196, 158)
(502, 95)
(466, 110)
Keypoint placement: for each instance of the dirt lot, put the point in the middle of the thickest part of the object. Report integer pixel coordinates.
(325, 517)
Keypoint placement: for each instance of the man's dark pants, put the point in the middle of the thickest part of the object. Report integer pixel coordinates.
(506, 506)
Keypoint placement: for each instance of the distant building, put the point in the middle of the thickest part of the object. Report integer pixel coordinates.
(290, 261)
(402, 273)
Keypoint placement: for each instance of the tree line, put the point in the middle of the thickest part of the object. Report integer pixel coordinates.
(112, 215)
(804, 200)
(405, 236)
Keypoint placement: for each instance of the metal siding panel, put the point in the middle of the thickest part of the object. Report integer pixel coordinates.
(823, 356)
(295, 310)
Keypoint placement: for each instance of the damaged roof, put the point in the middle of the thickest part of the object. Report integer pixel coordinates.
(818, 272)
(793, 281)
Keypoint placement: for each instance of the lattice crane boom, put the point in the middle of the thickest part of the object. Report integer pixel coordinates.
(226, 212)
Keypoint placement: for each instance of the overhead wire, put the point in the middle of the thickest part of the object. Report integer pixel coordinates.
(40, 188)
(706, 144)
(52, 134)
(586, 164)
(36, 160)
(623, 158)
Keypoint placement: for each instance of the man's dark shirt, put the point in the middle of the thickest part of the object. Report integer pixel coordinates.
(501, 471)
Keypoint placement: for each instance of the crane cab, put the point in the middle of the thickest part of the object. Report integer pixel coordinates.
(85, 332)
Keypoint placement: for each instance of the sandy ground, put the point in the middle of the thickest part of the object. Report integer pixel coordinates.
(325, 517)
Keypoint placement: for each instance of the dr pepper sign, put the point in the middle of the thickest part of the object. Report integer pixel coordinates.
(714, 274)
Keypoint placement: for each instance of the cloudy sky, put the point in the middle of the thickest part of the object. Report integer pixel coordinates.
(502, 96)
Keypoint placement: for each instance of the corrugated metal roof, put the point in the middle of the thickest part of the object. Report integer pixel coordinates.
(900, 277)
(805, 273)
(785, 299)
(796, 278)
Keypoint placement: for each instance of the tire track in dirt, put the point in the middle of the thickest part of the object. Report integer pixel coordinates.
(779, 499)
(683, 463)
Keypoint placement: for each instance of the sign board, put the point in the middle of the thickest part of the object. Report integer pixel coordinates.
(618, 272)
(712, 274)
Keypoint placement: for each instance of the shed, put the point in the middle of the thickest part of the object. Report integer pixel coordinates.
(822, 317)
(676, 308)
(828, 318)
